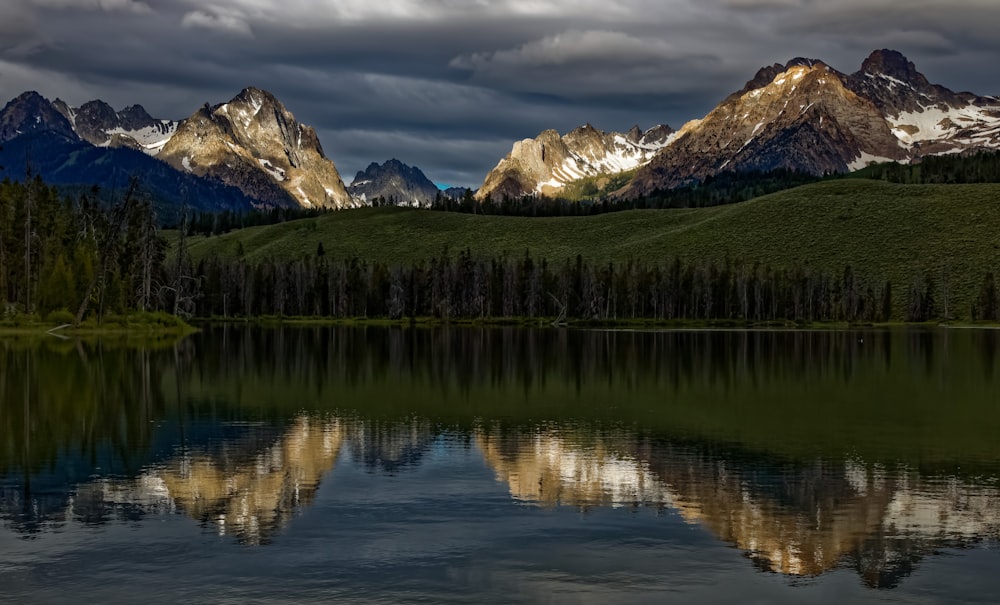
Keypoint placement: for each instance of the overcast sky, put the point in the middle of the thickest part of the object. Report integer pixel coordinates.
(448, 85)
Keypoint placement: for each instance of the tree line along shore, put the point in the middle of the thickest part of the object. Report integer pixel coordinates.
(874, 250)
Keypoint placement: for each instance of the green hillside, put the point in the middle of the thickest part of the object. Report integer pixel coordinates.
(884, 231)
(596, 187)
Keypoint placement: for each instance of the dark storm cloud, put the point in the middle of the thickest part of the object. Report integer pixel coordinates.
(448, 85)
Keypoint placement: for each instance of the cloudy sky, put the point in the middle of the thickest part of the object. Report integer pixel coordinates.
(448, 85)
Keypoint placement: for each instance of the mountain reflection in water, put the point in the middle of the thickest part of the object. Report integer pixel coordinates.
(705, 426)
(796, 519)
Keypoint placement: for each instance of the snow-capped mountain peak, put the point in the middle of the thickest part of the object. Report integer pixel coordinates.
(809, 117)
(99, 124)
(547, 163)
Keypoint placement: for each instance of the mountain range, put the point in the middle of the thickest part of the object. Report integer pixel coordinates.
(249, 152)
(803, 116)
(807, 116)
(36, 138)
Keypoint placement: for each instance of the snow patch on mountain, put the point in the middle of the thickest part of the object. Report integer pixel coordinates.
(546, 164)
(278, 173)
(892, 82)
(980, 125)
(620, 158)
(150, 139)
(865, 158)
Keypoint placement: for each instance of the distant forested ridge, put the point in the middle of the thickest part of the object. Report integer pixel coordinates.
(982, 167)
(217, 223)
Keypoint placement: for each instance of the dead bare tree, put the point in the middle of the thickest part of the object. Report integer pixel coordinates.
(107, 249)
(184, 289)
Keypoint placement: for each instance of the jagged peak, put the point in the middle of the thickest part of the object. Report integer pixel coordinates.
(769, 73)
(256, 96)
(31, 112)
(549, 135)
(658, 129)
(657, 135)
(64, 108)
(29, 98)
(393, 179)
(135, 112)
(587, 132)
(764, 76)
(890, 63)
(390, 166)
(804, 62)
(97, 109)
(96, 104)
(30, 95)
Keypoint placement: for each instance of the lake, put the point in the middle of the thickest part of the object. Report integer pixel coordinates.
(502, 465)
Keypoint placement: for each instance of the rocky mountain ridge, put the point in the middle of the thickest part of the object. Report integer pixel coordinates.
(807, 116)
(37, 138)
(803, 115)
(99, 124)
(545, 164)
(31, 113)
(255, 144)
(394, 182)
(252, 144)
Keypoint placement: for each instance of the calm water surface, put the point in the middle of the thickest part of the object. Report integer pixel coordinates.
(372, 465)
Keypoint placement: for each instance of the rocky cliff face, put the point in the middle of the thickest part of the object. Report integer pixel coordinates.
(926, 118)
(394, 182)
(99, 124)
(32, 113)
(807, 116)
(252, 144)
(545, 164)
(804, 118)
(255, 144)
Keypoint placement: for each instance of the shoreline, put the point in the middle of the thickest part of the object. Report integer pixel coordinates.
(549, 322)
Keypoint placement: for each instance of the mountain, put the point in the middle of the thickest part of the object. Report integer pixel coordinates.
(807, 116)
(99, 124)
(245, 153)
(927, 119)
(457, 193)
(255, 144)
(31, 113)
(38, 134)
(65, 161)
(95, 122)
(545, 164)
(393, 181)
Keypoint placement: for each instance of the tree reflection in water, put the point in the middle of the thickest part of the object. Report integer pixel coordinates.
(809, 451)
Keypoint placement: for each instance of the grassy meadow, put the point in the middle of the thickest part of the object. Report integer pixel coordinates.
(884, 231)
